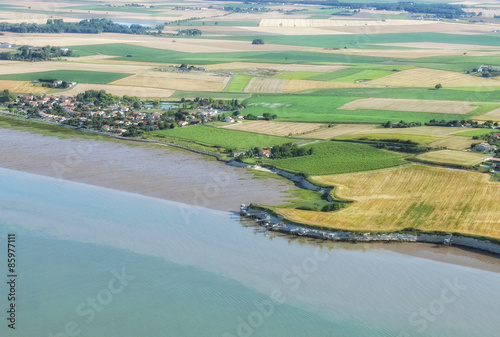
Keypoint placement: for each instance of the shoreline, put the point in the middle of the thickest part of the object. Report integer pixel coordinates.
(95, 178)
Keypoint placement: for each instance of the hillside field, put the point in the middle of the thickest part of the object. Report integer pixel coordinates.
(79, 76)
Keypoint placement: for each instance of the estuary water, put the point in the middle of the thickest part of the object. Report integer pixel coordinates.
(92, 261)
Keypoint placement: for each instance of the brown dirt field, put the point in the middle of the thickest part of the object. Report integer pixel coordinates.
(266, 85)
(22, 87)
(118, 90)
(454, 143)
(274, 66)
(302, 85)
(338, 130)
(175, 81)
(419, 196)
(403, 104)
(453, 157)
(275, 128)
(428, 78)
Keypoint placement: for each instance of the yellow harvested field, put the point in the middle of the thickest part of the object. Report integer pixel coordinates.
(275, 128)
(454, 143)
(453, 157)
(118, 90)
(275, 66)
(403, 104)
(418, 196)
(266, 85)
(338, 130)
(22, 87)
(301, 85)
(293, 30)
(428, 78)
(493, 115)
(175, 81)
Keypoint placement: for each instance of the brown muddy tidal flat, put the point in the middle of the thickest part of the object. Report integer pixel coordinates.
(158, 172)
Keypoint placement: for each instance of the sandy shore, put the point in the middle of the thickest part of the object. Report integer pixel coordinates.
(165, 173)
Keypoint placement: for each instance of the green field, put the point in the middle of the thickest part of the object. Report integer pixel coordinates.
(143, 54)
(420, 139)
(230, 139)
(220, 23)
(298, 75)
(365, 75)
(238, 83)
(338, 157)
(79, 76)
(476, 132)
(315, 108)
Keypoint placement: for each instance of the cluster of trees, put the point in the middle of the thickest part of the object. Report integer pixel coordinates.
(258, 41)
(189, 32)
(6, 96)
(92, 26)
(455, 123)
(401, 124)
(288, 151)
(250, 9)
(27, 53)
(266, 116)
(97, 97)
(438, 9)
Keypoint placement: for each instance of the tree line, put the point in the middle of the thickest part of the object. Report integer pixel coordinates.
(26, 53)
(92, 26)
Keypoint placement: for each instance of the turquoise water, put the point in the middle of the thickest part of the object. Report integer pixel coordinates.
(97, 262)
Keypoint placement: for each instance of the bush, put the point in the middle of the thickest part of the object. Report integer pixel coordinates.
(257, 41)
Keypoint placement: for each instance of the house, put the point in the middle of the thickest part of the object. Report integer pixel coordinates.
(240, 117)
(182, 123)
(483, 147)
(265, 153)
(229, 119)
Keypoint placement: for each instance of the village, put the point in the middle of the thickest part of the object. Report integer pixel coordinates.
(129, 117)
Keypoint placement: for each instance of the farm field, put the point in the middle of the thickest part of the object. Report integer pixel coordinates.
(336, 157)
(476, 132)
(266, 85)
(238, 83)
(118, 90)
(337, 130)
(412, 196)
(276, 128)
(492, 115)
(434, 131)
(322, 107)
(428, 78)
(454, 143)
(68, 75)
(302, 85)
(22, 87)
(420, 139)
(451, 157)
(417, 105)
(175, 81)
(231, 139)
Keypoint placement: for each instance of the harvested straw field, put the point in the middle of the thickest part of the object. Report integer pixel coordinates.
(338, 130)
(118, 90)
(302, 85)
(417, 105)
(428, 78)
(454, 143)
(452, 157)
(175, 81)
(417, 196)
(337, 23)
(266, 85)
(275, 128)
(493, 115)
(22, 87)
(275, 66)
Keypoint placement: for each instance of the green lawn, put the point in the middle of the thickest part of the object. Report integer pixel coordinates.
(231, 139)
(476, 132)
(79, 76)
(323, 108)
(338, 157)
(238, 83)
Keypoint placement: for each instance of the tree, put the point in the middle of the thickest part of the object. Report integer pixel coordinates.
(438, 86)
(257, 41)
